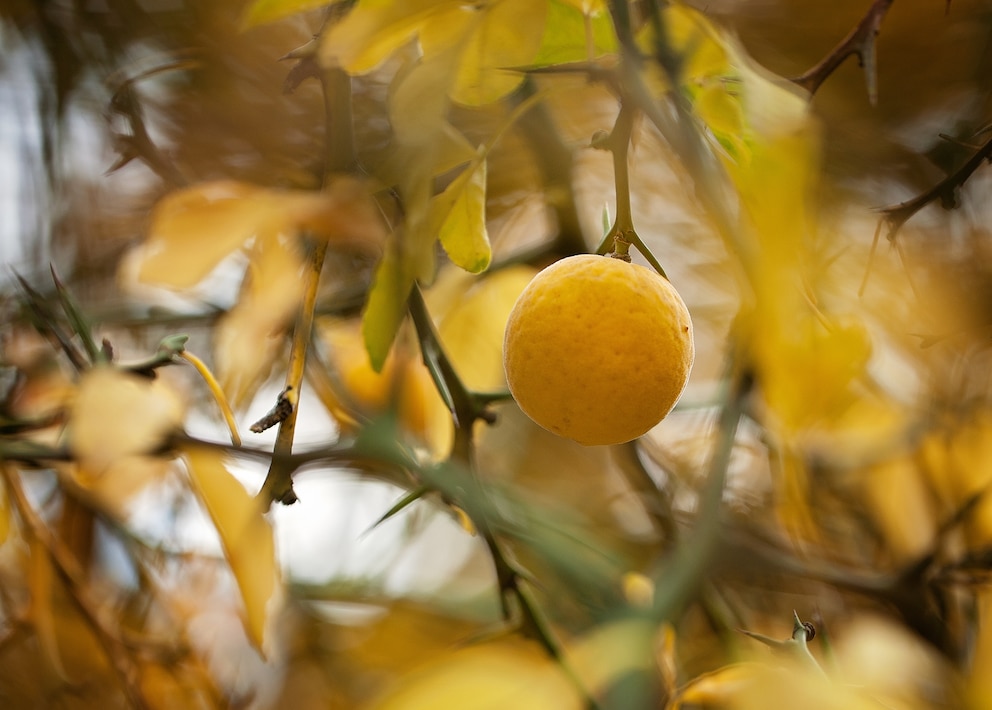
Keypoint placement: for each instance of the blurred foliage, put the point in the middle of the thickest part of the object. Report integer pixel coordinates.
(341, 235)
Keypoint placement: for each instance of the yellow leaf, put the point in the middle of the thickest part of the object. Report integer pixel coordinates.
(246, 536)
(717, 687)
(417, 107)
(374, 29)
(4, 512)
(693, 36)
(404, 385)
(575, 31)
(493, 676)
(194, 229)
(42, 579)
(587, 7)
(261, 12)
(901, 503)
(117, 414)
(249, 337)
(461, 212)
(472, 327)
(508, 35)
(957, 460)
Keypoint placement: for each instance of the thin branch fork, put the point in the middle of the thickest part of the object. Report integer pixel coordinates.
(861, 42)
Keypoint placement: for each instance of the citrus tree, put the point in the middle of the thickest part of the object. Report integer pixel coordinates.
(511, 353)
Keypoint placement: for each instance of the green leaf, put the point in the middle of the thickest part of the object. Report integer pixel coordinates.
(245, 534)
(460, 212)
(386, 305)
(407, 500)
(261, 12)
(77, 320)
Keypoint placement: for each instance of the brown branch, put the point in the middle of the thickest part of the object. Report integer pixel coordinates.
(945, 191)
(861, 42)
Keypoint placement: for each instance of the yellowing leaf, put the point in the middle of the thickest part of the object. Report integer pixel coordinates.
(4, 512)
(575, 31)
(716, 688)
(497, 675)
(957, 460)
(42, 581)
(461, 212)
(246, 536)
(508, 35)
(194, 229)
(472, 326)
(117, 414)
(374, 29)
(386, 305)
(901, 503)
(249, 337)
(404, 385)
(261, 12)
(701, 46)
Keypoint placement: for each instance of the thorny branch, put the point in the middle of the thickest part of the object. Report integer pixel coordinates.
(860, 42)
(945, 190)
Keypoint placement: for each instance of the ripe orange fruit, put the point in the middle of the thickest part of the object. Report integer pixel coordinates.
(597, 349)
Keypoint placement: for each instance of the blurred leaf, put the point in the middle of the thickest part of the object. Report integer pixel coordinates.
(460, 212)
(176, 685)
(901, 503)
(116, 414)
(4, 511)
(247, 539)
(957, 461)
(473, 320)
(250, 336)
(505, 34)
(403, 386)
(716, 688)
(42, 579)
(261, 12)
(572, 28)
(373, 30)
(194, 229)
(497, 675)
(386, 304)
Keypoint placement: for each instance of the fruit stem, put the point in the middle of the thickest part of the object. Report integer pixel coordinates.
(622, 234)
(619, 238)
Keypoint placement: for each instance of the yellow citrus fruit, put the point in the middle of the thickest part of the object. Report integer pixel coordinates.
(598, 350)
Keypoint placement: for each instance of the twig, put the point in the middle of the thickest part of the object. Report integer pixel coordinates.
(138, 143)
(861, 42)
(945, 190)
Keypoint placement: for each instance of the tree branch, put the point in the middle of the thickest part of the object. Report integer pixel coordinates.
(945, 191)
(861, 42)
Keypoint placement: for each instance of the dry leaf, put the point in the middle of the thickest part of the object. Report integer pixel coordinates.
(515, 675)
(116, 414)
(247, 539)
